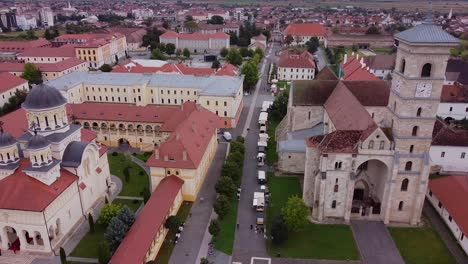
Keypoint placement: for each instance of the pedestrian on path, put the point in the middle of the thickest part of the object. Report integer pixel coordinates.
(237, 225)
(251, 227)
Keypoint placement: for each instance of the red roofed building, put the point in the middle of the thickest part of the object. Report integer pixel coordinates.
(296, 65)
(144, 239)
(302, 33)
(448, 196)
(9, 84)
(454, 102)
(20, 46)
(196, 42)
(47, 55)
(353, 68)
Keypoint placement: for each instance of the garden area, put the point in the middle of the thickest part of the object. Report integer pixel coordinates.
(334, 242)
(143, 156)
(137, 181)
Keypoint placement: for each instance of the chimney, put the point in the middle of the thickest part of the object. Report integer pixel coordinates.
(184, 155)
(345, 58)
(156, 153)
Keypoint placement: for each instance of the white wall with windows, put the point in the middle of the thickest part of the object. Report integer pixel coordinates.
(449, 158)
(290, 74)
(456, 111)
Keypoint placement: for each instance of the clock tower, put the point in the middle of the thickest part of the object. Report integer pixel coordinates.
(417, 83)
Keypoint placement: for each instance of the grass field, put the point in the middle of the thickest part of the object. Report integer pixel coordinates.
(138, 177)
(382, 51)
(87, 248)
(314, 241)
(421, 245)
(130, 203)
(166, 249)
(224, 241)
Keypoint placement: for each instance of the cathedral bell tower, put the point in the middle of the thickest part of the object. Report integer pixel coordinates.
(417, 83)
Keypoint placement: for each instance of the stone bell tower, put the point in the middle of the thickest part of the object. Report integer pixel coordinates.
(421, 61)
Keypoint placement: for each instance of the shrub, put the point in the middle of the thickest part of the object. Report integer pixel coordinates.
(126, 172)
(126, 216)
(115, 154)
(226, 186)
(222, 206)
(115, 233)
(108, 212)
(214, 228)
(172, 223)
(295, 213)
(104, 253)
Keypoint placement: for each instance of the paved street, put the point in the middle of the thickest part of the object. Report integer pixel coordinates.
(186, 251)
(375, 243)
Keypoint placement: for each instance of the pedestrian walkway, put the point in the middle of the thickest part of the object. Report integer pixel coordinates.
(141, 163)
(9, 257)
(375, 243)
(445, 234)
(84, 260)
(129, 198)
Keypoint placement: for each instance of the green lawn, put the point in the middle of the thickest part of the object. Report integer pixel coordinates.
(271, 155)
(224, 241)
(143, 156)
(130, 203)
(421, 245)
(87, 248)
(382, 51)
(166, 249)
(283, 84)
(138, 178)
(314, 241)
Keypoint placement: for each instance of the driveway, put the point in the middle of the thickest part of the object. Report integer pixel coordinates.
(375, 243)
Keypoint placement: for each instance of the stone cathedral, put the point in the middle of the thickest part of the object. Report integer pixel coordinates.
(366, 152)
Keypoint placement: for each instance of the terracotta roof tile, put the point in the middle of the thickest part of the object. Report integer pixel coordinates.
(296, 59)
(443, 135)
(306, 29)
(10, 81)
(454, 94)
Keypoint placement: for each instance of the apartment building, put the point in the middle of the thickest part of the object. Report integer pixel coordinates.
(221, 95)
(196, 42)
(296, 65)
(49, 71)
(9, 85)
(454, 102)
(302, 33)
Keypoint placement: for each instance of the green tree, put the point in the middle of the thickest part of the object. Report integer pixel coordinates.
(126, 173)
(108, 211)
(233, 38)
(251, 75)
(188, 18)
(295, 213)
(373, 30)
(157, 54)
(105, 68)
(172, 223)
(279, 230)
(14, 102)
(56, 33)
(280, 106)
(186, 53)
(245, 52)
(170, 48)
(217, 20)
(237, 157)
(237, 146)
(313, 45)
(288, 39)
(104, 253)
(127, 216)
(267, 34)
(91, 223)
(63, 256)
(115, 233)
(234, 57)
(178, 53)
(222, 206)
(146, 194)
(216, 64)
(214, 228)
(30, 34)
(226, 186)
(224, 52)
(232, 170)
(161, 47)
(48, 35)
(32, 73)
(191, 26)
(259, 52)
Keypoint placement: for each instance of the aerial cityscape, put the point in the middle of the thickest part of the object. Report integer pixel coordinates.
(233, 132)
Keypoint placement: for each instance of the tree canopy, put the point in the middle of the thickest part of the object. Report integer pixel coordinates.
(234, 57)
(295, 213)
(157, 54)
(32, 73)
(115, 233)
(251, 75)
(226, 186)
(217, 20)
(109, 211)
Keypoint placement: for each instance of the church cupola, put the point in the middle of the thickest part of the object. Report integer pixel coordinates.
(8, 148)
(39, 150)
(45, 106)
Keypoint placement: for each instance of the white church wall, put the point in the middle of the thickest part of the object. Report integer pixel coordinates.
(450, 158)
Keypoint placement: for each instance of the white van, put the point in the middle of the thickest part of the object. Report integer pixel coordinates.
(261, 177)
(227, 136)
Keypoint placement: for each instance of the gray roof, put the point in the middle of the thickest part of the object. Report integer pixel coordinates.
(73, 154)
(296, 140)
(12, 165)
(427, 32)
(55, 137)
(37, 142)
(6, 139)
(42, 97)
(208, 85)
(44, 168)
(297, 146)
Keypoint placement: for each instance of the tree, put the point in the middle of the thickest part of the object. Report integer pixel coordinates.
(108, 211)
(251, 75)
(288, 39)
(335, 30)
(258, 51)
(115, 233)
(232, 170)
(32, 73)
(279, 230)
(237, 157)
(105, 68)
(215, 64)
(157, 54)
(354, 47)
(186, 53)
(188, 18)
(104, 254)
(295, 213)
(217, 20)
(146, 194)
(30, 34)
(91, 223)
(170, 48)
(214, 228)
(191, 26)
(178, 52)
(373, 30)
(224, 52)
(226, 186)
(312, 45)
(222, 206)
(172, 223)
(234, 57)
(63, 256)
(126, 173)
(267, 34)
(237, 146)
(126, 216)
(205, 261)
(233, 38)
(245, 52)
(14, 102)
(48, 35)
(280, 106)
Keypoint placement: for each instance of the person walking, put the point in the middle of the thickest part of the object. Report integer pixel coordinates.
(251, 227)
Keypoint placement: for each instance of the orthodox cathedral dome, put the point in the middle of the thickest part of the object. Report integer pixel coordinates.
(6, 139)
(37, 142)
(42, 97)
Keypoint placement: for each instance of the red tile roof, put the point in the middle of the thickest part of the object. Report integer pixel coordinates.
(454, 94)
(180, 68)
(338, 141)
(444, 135)
(87, 135)
(186, 146)
(296, 59)
(355, 70)
(195, 36)
(22, 192)
(452, 192)
(23, 45)
(15, 123)
(139, 238)
(306, 29)
(63, 51)
(43, 67)
(9, 81)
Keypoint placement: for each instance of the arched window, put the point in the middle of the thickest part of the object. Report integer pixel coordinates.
(338, 165)
(382, 144)
(403, 65)
(426, 70)
(333, 206)
(371, 144)
(411, 148)
(419, 111)
(400, 206)
(404, 185)
(415, 131)
(408, 165)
